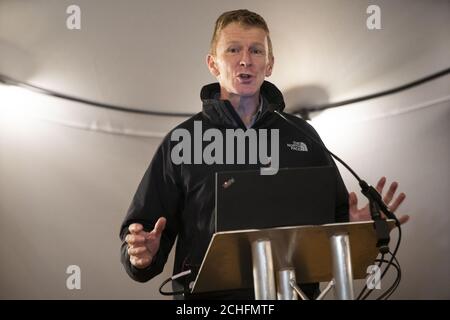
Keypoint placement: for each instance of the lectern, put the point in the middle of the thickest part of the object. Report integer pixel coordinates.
(273, 261)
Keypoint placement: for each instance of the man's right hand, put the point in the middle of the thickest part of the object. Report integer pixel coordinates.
(142, 245)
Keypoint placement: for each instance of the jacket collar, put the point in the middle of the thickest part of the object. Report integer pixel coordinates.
(222, 114)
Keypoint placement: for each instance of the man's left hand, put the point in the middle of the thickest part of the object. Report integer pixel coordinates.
(363, 214)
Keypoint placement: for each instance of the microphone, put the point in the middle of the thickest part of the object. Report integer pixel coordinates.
(376, 203)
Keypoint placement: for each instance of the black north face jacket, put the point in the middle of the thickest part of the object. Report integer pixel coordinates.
(184, 193)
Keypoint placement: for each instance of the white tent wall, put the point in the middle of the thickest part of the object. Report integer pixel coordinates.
(68, 171)
(64, 194)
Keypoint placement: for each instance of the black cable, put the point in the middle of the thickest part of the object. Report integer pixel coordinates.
(172, 293)
(388, 292)
(304, 111)
(10, 81)
(380, 263)
(394, 286)
(174, 277)
(396, 282)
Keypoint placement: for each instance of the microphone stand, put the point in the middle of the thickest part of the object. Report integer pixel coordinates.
(376, 203)
(380, 224)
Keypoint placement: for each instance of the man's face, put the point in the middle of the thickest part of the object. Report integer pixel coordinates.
(242, 61)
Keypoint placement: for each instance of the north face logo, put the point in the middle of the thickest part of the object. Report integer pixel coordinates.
(297, 146)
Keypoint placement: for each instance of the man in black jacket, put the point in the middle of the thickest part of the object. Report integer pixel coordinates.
(176, 198)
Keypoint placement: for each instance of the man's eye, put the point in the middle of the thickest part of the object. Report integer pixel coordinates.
(257, 51)
(233, 50)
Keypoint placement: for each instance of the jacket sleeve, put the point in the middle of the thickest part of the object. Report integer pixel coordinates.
(158, 195)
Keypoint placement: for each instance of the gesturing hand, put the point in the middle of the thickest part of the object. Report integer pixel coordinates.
(142, 245)
(363, 214)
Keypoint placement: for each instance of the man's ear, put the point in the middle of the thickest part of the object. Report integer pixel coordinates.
(212, 66)
(269, 67)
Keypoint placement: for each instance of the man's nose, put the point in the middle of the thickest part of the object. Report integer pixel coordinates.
(246, 60)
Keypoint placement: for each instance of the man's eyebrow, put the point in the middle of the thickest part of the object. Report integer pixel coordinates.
(233, 42)
(238, 42)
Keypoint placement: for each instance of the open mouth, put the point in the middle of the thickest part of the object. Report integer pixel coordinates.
(245, 76)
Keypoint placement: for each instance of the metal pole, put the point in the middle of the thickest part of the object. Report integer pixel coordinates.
(263, 275)
(342, 267)
(284, 288)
